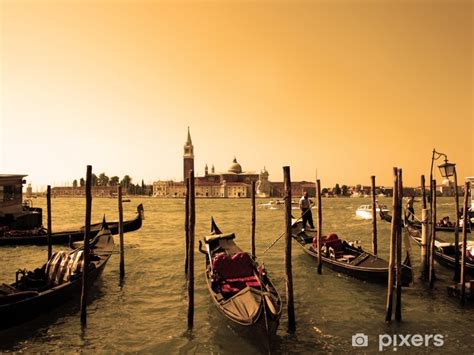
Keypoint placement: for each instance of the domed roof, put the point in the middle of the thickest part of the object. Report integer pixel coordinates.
(235, 167)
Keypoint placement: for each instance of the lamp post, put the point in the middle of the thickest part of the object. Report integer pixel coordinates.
(447, 170)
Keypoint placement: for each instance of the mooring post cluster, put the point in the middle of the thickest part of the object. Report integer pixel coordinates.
(395, 265)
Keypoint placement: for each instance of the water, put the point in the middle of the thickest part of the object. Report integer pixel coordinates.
(148, 313)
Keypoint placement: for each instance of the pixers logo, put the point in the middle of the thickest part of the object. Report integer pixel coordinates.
(396, 341)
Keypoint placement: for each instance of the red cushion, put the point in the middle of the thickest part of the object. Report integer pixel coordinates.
(226, 288)
(255, 284)
(238, 266)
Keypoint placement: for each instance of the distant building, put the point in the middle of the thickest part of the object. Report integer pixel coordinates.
(233, 183)
(70, 191)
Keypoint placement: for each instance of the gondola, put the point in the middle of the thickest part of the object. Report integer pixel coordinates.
(239, 287)
(40, 237)
(444, 251)
(347, 258)
(57, 281)
(417, 224)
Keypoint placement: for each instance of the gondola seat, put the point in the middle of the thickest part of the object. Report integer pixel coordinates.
(231, 267)
(330, 243)
(234, 273)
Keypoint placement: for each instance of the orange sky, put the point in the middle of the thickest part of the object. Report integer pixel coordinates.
(349, 88)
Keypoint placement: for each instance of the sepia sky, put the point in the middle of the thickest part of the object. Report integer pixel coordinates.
(350, 88)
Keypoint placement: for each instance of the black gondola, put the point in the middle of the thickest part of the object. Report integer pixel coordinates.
(347, 258)
(417, 224)
(238, 286)
(444, 252)
(40, 236)
(57, 281)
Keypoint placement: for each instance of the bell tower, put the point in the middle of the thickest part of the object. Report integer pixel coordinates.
(188, 157)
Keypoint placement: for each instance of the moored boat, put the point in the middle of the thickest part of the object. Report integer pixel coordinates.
(443, 226)
(347, 257)
(56, 282)
(239, 287)
(444, 252)
(39, 236)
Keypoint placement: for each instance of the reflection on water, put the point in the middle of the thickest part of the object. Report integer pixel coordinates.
(148, 313)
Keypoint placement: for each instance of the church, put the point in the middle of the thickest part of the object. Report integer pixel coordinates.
(233, 183)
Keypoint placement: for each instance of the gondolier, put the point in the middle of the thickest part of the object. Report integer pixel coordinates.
(305, 207)
(410, 215)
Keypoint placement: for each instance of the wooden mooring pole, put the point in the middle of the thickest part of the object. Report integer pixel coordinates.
(424, 264)
(48, 207)
(192, 221)
(456, 228)
(374, 217)
(122, 247)
(398, 268)
(85, 267)
(253, 220)
(464, 244)
(393, 246)
(320, 225)
(186, 228)
(431, 277)
(288, 270)
(423, 192)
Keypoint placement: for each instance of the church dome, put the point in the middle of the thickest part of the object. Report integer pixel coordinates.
(235, 167)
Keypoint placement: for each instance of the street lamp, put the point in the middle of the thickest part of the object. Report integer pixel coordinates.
(447, 170)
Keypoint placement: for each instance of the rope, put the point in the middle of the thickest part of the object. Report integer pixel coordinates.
(282, 234)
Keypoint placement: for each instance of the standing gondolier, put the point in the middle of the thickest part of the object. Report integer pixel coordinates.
(410, 210)
(305, 207)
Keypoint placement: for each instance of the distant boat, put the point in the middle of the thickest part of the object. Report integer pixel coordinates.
(348, 258)
(39, 236)
(274, 204)
(58, 281)
(239, 287)
(365, 211)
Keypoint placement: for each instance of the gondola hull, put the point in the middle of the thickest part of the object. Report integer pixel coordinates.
(20, 312)
(14, 312)
(264, 323)
(370, 268)
(239, 287)
(77, 235)
(417, 225)
(441, 257)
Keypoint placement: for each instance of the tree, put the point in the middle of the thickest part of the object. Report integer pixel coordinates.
(114, 181)
(336, 190)
(345, 190)
(74, 183)
(94, 180)
(103, 180)
(82, 182)
(126, 181)
(324, 191)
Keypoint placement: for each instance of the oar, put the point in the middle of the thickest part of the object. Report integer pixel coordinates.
(282, 234)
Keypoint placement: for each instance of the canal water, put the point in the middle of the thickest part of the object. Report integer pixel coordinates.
(148, 313)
